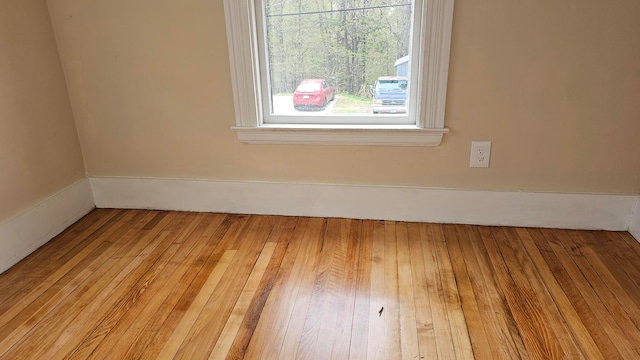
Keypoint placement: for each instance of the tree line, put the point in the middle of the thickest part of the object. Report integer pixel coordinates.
(348, 42)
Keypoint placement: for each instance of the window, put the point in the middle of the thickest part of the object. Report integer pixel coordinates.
(288, 58)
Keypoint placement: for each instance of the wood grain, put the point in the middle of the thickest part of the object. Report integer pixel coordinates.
(571, 277)
(478, 336)
(272, 325)
(136, 284)
(282, 235)
(578, 328)
(424, 320)
(360, 324)
(438, 305)
(455, 312)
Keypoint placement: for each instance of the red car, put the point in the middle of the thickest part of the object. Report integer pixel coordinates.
(313, 94)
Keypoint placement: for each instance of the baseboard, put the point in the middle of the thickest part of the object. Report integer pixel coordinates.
(634, 225)
(25, 233)
(575, 211)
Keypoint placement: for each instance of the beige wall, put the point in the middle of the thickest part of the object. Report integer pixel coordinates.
(554, 85)
(39, 149)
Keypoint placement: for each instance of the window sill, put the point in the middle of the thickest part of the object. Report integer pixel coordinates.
(379, 135)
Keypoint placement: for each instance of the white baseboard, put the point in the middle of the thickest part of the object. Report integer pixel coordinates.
(634, 225)
(575, 211)
(25, 233)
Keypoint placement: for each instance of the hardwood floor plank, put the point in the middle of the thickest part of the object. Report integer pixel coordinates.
(586, 291)
(454, 235)
(457, 322)
(406, 297)
(319, 305)
(71, 343)
(621, 252)
(66, 278)
(18, 280)
(610, 271)
(135, 309)
(272, 325)
(391, 314)
(96, 324)
(191, 265)
(589, 312)
(282, 235)
(423, 317)
(58, 314)
(376, 343)
(207, 328)
(360, 322)
(188, 320)
(39, 260)
(555, 319)
(137, 284)
(521, 302)
(307, 271)
(632, 243)
(156, 334)
(573, 320)
(329, 319)
(500, 326)
(545, 319)
(438, 305)
(232, 326)
(344, 275)
(617, 301)
(113, 276)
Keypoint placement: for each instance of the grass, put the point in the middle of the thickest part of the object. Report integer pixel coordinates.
(351, 104)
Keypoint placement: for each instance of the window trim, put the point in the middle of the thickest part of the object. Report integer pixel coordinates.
(437, 19)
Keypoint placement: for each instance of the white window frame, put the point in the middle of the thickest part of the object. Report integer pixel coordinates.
(437, 19)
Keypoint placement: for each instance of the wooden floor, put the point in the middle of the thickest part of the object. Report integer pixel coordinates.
(131, 284)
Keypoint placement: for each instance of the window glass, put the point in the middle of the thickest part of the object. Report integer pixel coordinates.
(336, 61)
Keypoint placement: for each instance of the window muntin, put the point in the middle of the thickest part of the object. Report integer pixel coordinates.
(287, 59)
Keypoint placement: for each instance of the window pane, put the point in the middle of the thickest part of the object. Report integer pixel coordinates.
(338, 58)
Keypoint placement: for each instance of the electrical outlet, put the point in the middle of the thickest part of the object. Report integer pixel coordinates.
(480, 153)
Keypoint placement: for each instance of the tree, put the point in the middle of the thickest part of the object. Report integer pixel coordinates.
(348, 42)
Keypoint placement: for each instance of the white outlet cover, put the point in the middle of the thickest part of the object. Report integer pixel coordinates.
(480, 154)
